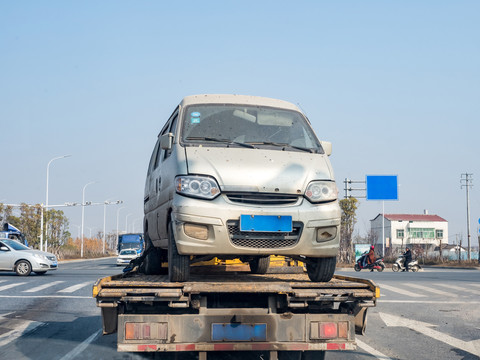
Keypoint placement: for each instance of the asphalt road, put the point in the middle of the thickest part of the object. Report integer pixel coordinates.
(433, 314)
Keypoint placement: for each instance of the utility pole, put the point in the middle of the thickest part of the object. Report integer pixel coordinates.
(466, 181)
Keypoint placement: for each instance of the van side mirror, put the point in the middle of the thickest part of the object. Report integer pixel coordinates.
(327, 147)
(166, 141)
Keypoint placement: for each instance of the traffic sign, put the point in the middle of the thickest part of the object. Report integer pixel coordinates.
(382, 187)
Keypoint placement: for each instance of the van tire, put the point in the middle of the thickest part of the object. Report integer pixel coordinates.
(178, 265)
(259, 265)
(152, 264)
(321, 269)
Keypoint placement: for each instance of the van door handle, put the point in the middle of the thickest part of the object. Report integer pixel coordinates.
(159, 182)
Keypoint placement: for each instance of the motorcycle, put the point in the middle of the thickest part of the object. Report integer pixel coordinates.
(377, 265)
(400, 264)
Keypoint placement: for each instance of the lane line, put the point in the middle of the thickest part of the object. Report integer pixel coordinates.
(44, 297)
(429, 302)
(459, 288)
(24, 328)
(43, 287)
(372, 351)
(400, 291)
(429, 289)
(81, 347)
(73, 288)
(9, 286)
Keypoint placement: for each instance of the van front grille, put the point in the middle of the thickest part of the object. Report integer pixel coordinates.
(263, 240)
(262, 198)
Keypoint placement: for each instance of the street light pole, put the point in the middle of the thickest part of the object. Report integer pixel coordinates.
(126, 222)
(118, 211)
(46, 205)
(83, 213)
(107, 202)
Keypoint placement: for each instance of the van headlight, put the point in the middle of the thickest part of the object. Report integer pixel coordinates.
(321, 191)
(202, 187)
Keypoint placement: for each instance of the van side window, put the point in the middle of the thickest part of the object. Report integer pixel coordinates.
(154, 156)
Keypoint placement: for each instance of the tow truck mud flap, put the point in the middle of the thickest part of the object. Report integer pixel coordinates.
(361, 321)
(109, 320)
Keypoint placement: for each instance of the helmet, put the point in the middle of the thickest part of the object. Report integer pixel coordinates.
(372, 247)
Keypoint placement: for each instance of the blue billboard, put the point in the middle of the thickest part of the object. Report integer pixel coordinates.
(382, 187)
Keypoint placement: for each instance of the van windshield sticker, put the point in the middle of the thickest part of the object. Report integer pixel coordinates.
(195, 117)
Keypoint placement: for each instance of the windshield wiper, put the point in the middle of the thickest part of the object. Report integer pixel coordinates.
(224, 141)
(282, 145)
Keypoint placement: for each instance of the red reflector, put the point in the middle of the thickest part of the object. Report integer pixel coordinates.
(328, 330)
(343, 330)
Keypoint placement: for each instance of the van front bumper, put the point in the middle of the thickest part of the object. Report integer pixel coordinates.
(216, 232)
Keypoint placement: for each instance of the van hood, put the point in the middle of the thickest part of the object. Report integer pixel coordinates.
(258, 170)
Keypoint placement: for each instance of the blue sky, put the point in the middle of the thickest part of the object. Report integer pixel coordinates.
(393, 85)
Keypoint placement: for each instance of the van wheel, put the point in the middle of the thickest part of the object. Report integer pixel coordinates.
(23, 268)
(152, 264)
(321, 269)
(178, 265)
(259, 265)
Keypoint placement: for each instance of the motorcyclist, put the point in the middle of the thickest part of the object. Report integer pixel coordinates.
(408, 258)
(371, 256)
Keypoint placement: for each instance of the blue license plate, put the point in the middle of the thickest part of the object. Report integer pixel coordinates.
(266, 223)
(239, 332)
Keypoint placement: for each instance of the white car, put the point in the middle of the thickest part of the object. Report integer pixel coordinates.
(23, 260)
(126, 256)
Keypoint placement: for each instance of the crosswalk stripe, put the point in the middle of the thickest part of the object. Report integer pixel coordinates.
(43, 287)
(429, 289)
(465, 289)
(400, 291)
(73, 288)
(9, 286)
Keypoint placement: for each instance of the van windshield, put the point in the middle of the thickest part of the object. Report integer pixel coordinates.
(254, 126)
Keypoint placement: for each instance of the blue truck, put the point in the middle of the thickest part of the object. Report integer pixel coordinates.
(11, 232)
(131, 241)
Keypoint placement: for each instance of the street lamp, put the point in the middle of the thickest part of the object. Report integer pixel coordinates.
(105, 203)
(83, 212)
(126, 222)
(46, 205)
(118, 211)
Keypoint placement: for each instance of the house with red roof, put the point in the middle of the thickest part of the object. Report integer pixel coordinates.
(399, 230)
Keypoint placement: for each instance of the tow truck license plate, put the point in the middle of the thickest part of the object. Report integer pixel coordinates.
(239, 332)
(266, 223)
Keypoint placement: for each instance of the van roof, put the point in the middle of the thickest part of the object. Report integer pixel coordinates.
(237, 99)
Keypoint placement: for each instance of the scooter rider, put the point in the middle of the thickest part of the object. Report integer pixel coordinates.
(371, 256)
(408, 258)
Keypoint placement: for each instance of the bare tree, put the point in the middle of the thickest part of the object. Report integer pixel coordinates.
(348, 221)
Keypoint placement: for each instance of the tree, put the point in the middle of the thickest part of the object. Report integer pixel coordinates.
(348, 221)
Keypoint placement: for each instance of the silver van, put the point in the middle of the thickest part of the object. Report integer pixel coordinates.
(244, 177)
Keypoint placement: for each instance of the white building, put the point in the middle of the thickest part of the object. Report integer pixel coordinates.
(400, 230)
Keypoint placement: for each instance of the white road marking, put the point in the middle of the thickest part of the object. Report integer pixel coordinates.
(371, 350)
(399, 290)
(459, 288)
(424, 328)
(44, 297)
(43, 287)
(429, 289)
(9, 286)
(81, 347)
(73, 288)
(24, 327)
